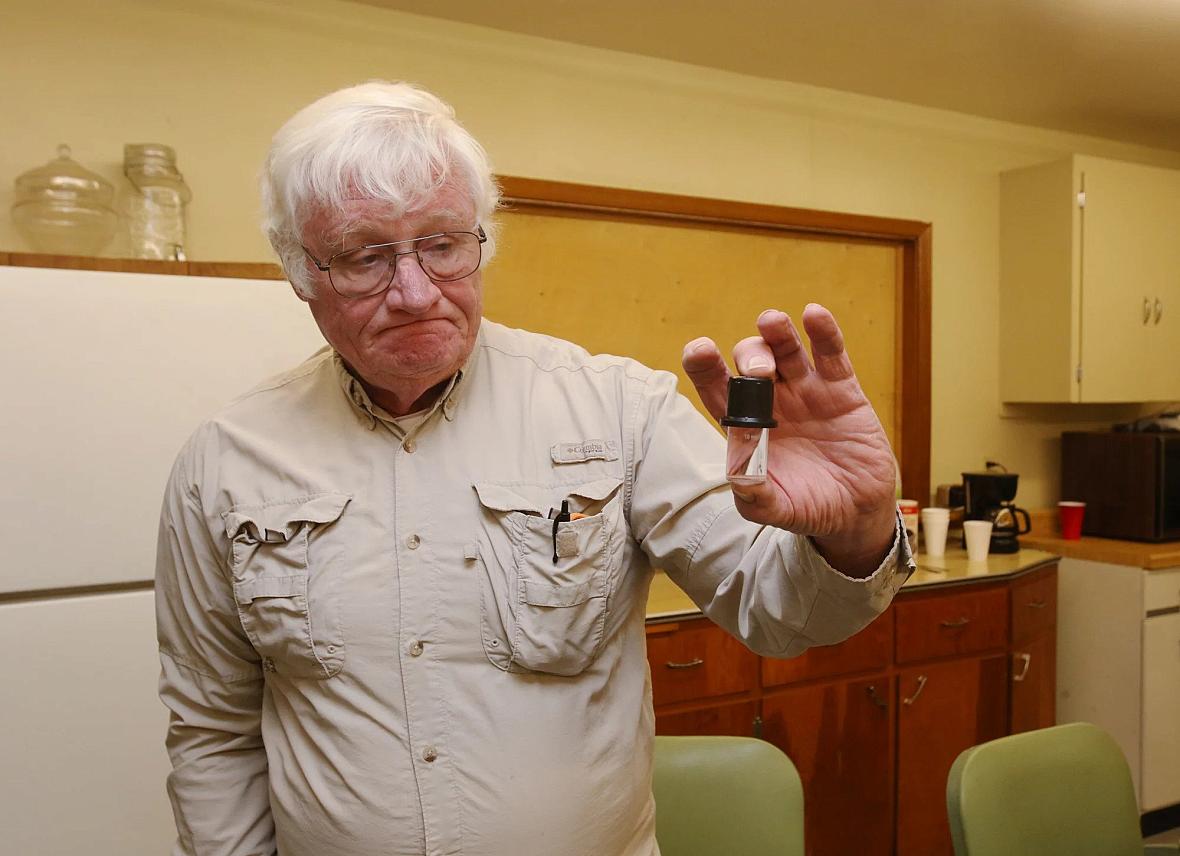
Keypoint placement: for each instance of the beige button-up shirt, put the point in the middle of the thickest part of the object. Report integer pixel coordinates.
(374, 641)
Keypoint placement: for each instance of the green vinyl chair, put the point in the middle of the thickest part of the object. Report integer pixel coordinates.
(1060, 790)
(726, 796)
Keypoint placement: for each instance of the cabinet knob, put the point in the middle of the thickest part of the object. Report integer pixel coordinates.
(691, 664)
(876, 699)
(1159, 310)
(956, 623)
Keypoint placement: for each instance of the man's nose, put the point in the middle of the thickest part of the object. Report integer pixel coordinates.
(412, 290)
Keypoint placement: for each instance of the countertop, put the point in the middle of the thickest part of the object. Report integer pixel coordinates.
(666, 600)
(1136, 554)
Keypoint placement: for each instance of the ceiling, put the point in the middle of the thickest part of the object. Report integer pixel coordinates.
(1110, 68)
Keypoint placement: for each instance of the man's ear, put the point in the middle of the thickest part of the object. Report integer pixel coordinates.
(298, 294)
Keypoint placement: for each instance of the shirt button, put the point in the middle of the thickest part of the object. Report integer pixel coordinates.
(416, 648)
(429, 754)
(410, 446)
(413, 541)
(268, 664)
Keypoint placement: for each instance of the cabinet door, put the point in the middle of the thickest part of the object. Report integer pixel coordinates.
(837, 734)
(1127, 233)
(1034, 683)
(1161, 701)
(1166, 314)
(944, 708)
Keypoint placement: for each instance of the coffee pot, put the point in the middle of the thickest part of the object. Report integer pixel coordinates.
(989, 496)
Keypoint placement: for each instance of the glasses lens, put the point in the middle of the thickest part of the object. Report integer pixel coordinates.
(362, 271)
(450, 256)
(367, 270)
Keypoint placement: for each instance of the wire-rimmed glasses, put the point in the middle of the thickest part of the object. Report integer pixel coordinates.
(368, 270)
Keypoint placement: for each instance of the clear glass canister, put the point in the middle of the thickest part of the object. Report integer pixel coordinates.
(748, 419)
(64, 208)
(156, 207)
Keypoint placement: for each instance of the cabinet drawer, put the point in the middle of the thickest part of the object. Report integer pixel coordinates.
(697, 659)
(946, 624)
(736, 719)
(869, 650)
(1034, 605)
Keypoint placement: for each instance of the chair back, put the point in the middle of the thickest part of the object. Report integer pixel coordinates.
(1065, 789)
(726, 796)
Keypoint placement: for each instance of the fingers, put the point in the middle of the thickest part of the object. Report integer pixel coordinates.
(827, 343)
(780, 335)
(706, 369)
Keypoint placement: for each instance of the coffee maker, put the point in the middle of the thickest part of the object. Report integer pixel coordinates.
(989, 496)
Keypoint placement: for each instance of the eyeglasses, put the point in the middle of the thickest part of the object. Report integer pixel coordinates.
(368, 270)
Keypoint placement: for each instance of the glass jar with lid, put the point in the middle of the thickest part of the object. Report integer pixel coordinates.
(64, 208)
(156, 207)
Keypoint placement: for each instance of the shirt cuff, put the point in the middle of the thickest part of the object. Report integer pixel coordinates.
(889, 576)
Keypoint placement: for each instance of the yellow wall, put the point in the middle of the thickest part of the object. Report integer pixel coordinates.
(214, 78)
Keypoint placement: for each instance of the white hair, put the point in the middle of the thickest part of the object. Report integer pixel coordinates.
(389, 141)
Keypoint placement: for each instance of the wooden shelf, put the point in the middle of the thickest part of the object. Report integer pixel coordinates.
(229, 270)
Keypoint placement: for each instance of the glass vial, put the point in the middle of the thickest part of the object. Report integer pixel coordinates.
(156, 208)
(748, 420)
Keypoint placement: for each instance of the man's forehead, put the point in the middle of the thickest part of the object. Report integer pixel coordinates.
(380, 218)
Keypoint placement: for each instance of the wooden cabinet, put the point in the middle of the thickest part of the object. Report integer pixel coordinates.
(874, 724)
(1090, 282)
(944, 708)
(838, 734)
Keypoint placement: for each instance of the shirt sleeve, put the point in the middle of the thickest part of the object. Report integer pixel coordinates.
(211, 681)
(768, 587)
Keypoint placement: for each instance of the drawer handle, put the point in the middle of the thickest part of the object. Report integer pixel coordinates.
(1026, 659)
(691, 664)
(917, 692)
(877, 700)
(1036, 604)
(957, 623)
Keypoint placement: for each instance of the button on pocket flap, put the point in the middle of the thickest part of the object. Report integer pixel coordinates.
(246, 591)
(500, 497)
(548, 594)
(274, 522)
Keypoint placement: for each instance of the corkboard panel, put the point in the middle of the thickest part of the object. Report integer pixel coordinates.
(644, 289)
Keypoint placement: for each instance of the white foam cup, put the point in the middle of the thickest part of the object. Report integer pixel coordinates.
(934, 525)
(978, 534)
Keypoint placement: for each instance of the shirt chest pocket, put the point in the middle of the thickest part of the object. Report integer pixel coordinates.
(545, 592)
(285, 568)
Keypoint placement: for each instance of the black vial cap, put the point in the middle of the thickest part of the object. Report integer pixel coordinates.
(751, 403)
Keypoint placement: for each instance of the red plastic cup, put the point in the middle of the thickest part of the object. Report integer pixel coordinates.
(1071, 514)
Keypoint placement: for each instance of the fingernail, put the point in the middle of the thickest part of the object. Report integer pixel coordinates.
(698, 345)
(759, 364)
(744, 497)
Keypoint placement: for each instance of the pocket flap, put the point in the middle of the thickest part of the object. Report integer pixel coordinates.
(500, 497)
(277, 521)
(596, 490)
(245, 591)
(540, 499)
(549, 594)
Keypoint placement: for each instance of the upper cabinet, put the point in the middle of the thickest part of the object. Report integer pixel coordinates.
(1090, 282)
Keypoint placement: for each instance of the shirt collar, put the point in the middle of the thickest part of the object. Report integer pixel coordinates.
(368, 410)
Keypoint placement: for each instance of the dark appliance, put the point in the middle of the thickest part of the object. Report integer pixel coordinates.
(1129, 480)
(989, 496)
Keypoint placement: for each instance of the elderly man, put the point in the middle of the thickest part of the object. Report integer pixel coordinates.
(401, 587)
